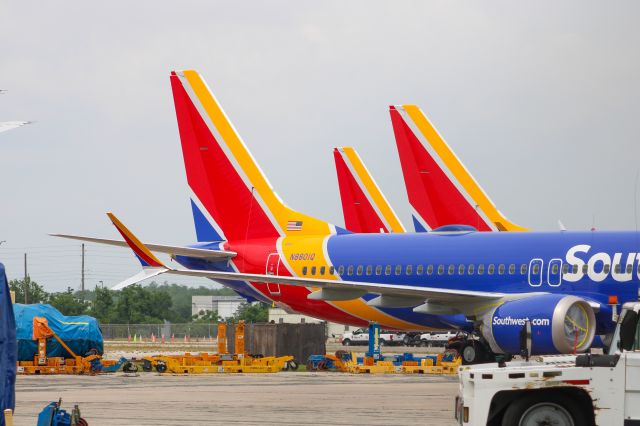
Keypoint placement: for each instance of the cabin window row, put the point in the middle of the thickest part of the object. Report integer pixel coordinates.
(460, 269)
(420, 269)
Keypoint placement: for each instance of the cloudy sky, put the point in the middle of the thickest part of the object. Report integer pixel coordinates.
(539, 100)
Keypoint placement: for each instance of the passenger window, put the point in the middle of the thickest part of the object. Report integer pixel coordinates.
(491, 269)
(387, 270)
(369, 269)
(501, 269)
(451, 269)
(322, 270)
(585, 269)
(359, 270)
(420, 270)
(606, 268)
(350, 270)
(523, 269)
(481, 269)
(409, 270)
(440, 269)
(575, 269)
(554, 268)
(461, 269)
(629, 268)
(304, 270)
(512, 269)
(470, 269)
(617, 268)
(430, 269)
(379, 270)
(332, 270)
(536, 269)
(565, 268)
(398, 269)
(341, 270)
(313, 270)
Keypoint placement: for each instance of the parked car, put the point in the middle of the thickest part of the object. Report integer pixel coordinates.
(436, 339)
(361, 337)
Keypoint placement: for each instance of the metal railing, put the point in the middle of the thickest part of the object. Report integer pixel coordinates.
(168, 330)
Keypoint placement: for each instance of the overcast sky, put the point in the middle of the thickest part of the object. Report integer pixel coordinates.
(540, 100)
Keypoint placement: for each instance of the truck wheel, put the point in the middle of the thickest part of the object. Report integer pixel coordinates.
(346, 342)
(539, 409)
(472, 353)
(423, 343)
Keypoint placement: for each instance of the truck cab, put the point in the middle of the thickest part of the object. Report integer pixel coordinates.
(561, 390)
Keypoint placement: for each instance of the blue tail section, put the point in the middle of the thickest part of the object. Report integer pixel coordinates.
(204, 230)
(417, 225)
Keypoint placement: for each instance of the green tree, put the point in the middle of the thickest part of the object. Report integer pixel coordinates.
(207, 317)
(252, 312)
(67, 303)
(35, 292)
(104, 307)
(137, 305)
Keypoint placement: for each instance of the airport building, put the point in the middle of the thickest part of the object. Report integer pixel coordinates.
(226, 306)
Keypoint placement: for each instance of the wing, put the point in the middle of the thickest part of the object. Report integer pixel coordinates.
(161, 248)
(8, 125)
(351, 289)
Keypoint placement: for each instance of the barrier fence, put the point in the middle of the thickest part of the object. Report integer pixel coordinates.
(193, 331)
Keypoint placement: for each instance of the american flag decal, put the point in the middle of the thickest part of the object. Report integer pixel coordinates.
(293, 225)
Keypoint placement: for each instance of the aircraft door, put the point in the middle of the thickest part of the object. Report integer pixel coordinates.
(554, 272)
(535, 272)
(273, 264)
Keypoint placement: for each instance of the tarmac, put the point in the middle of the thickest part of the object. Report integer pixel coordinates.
(287, 398)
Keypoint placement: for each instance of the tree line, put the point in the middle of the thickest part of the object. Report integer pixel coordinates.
(151, 304)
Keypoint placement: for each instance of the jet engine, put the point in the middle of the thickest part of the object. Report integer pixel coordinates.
(559, 324)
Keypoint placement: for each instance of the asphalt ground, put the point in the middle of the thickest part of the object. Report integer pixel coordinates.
(287, 398)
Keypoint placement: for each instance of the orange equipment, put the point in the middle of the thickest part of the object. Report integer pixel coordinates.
(42, 364)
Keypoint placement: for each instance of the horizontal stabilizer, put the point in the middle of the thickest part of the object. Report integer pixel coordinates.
(140, 276)
(161, 248)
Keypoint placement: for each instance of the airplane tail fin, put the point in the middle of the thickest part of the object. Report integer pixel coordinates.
(151, 265)
(364, 206)
(230, 196)
(441, 190)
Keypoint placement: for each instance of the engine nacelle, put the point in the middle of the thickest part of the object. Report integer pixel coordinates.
(559, 324)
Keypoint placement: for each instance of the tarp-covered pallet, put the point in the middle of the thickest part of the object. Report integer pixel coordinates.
(7, 347)
(80, 333)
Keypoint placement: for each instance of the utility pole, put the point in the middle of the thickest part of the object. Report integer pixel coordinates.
(82, 282)
(26, 282)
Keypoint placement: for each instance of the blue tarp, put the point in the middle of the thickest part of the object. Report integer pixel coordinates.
(80, 333)
(7, 347)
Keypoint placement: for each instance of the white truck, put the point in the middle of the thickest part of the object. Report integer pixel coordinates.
(361, 337)
(561, 390)
(436, 339)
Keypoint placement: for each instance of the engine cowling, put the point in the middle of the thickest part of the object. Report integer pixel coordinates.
(559, 324)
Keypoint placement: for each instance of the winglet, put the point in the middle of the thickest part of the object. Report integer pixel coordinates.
(151, 265)
(144, 255)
